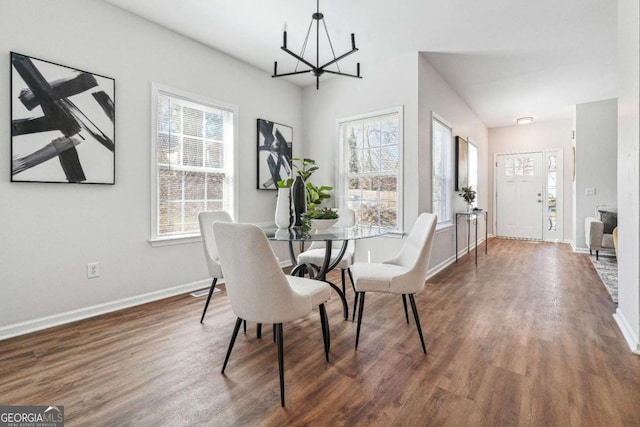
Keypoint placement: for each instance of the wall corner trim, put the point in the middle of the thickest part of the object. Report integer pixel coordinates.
(627, 331)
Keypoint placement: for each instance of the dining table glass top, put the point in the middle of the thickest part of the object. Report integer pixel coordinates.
(335, 233)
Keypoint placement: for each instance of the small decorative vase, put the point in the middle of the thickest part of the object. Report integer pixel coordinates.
(469, 207)
(299, 196)
(284, 219)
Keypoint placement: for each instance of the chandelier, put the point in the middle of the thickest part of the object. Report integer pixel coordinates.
(317, 70)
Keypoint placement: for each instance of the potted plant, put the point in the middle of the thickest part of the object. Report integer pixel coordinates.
(469, 196)
(321, 219)
(315, 195)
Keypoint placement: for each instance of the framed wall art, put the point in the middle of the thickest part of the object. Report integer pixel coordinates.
(62, 123)
(462, 163)
(275, 148)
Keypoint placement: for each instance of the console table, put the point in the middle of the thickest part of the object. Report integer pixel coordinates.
(472, 216)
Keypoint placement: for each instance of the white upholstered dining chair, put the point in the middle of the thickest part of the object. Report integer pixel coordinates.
(206, 220)
(403, 275)
(259, 290)
(315, 253)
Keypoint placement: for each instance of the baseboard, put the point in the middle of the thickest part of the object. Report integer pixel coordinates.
(34, 325)
(438, 268)
(627, 332)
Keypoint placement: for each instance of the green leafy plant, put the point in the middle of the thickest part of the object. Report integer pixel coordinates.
(285, 183)
(315, 194)
(304, 167)
(323, 213)
(468, 194)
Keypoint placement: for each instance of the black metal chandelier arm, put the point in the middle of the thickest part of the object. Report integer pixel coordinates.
(333, 61)
(275, 74)
(298, 57)
(357, 76)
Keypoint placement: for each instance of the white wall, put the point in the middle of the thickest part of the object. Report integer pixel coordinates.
(628, 312)
(537, 136)
(435, 95)
(389, 84)
(407, 80)
(596, 160)
(51, 231)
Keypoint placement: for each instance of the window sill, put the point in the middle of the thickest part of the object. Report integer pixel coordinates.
(394, 235)
(444, 226)
(177, 240)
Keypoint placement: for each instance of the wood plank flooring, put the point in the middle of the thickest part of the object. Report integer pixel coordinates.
(526, 337)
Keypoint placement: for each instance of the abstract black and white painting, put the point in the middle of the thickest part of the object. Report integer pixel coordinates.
(275, 147)
(62, 123)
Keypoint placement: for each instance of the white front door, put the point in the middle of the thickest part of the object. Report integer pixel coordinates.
(519, 195)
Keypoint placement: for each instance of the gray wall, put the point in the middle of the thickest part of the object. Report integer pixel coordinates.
(408, 80)
(51, 231)
(596, 160)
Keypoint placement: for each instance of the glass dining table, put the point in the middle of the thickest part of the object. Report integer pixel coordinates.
(333, 234)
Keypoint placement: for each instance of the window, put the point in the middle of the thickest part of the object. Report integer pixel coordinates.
(442, 143)
(370, 167)
(193, 157)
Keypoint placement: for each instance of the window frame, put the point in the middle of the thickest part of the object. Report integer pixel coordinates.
(340, 167)
(449, 180)
(231, 170)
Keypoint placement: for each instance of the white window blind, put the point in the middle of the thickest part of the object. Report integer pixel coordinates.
(370, 169)
(442, 143)
(193, 151)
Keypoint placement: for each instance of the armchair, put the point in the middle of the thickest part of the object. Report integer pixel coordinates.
(598, 229)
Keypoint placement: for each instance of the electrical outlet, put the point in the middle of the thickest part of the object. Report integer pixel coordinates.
(93, 270)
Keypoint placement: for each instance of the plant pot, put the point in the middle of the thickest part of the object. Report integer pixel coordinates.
(322, 224)
(284, 217)
(299, 197)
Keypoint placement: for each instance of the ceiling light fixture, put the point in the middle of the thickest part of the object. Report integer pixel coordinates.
(317, 70)
(524, 120)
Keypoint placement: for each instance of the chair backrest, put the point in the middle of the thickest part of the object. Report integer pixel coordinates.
(206, 220)
(416, 250)
(257, 287)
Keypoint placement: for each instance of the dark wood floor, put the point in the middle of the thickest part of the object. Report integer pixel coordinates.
(524, 338)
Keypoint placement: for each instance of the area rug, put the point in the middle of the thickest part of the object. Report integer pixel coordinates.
(607, 268)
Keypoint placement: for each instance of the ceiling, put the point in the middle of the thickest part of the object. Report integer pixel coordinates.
(505, 58)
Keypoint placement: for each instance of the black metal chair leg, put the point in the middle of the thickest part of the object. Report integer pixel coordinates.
(359, 318)
(259, 330)
(245, 327)
(233, 340)
(274, 332)
(597, 253)
(404, 302)
(355, 299)
(415, 316)
(279, 340)
(206, 305)
(342, 277)
(325, 330)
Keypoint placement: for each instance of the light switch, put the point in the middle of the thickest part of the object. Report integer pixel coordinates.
(589, 191)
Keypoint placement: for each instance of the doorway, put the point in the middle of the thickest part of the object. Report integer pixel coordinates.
(529, 195)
